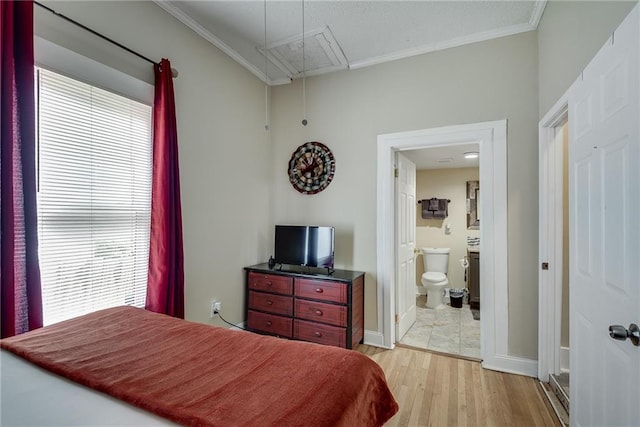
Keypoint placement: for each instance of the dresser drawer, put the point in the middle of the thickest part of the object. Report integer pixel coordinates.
(321, 312)
(270, 283)
(319, 333)
(322, 290)
(277, 304)
(270, 323)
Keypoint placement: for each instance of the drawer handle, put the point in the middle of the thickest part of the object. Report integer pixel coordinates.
(269, 323)
(319, 312)
(319, 290)
(269, 302)
(318, 334)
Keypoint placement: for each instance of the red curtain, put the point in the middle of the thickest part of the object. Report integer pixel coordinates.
(165, 287)
(21, 302)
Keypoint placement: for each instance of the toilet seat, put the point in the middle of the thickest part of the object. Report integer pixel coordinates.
(434, 277)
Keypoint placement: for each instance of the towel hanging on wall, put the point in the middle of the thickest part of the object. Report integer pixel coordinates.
(435, 208)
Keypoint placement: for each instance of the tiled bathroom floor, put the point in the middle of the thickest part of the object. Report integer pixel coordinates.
(448, 330)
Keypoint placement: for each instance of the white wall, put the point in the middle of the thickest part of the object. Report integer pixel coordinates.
(445, 184)
(569, 35)
(347, 110)
(223, 148)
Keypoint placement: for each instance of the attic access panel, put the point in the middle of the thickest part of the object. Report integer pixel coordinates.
(322, 53)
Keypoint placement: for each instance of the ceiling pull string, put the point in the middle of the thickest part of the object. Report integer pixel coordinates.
(304, 75)
(266, 77)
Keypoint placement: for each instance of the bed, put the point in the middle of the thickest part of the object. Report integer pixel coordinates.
(139, 367)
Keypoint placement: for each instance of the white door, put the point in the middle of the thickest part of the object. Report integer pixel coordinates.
(406, 207)
(604, 231)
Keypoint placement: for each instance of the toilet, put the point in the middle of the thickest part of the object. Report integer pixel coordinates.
(434, 280)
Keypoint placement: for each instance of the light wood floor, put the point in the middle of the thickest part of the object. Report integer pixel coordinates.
(436, 390)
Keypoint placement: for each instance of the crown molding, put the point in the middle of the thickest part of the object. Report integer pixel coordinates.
(536, 15)
(433, 47)
(205, 34)
(278, 82)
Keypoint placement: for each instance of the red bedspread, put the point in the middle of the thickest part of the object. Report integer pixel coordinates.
(196, 374)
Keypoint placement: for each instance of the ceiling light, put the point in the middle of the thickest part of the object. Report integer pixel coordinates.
(471, 155)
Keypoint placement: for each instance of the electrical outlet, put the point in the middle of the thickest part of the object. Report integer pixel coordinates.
(215, 308)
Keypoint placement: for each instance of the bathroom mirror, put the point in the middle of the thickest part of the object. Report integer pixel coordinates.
(473, 205)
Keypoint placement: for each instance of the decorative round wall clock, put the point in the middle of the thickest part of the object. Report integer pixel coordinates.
(311, 168)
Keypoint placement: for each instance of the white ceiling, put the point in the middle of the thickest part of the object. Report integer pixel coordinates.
(451, 156)
(346, 34)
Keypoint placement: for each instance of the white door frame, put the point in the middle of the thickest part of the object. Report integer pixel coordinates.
(494, 310)
(550, 197)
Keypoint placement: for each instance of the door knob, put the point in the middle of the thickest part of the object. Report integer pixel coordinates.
(619, 332)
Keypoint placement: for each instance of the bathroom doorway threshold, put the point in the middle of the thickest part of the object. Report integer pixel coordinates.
(440, 353)
(448, 330)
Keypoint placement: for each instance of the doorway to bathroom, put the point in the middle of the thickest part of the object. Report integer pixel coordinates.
(492, 140)
(446, 252)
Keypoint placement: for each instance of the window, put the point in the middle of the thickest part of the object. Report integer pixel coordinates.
(94, 197)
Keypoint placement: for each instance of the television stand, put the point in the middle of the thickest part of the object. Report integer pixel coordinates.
(304, 305)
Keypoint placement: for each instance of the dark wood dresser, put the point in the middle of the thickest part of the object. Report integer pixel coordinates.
(322, 308)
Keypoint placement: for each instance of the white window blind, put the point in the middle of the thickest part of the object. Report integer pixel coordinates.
(94, 197)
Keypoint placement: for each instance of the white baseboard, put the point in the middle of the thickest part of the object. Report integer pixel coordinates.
(501, 363)
(512, 364)
(564, 359)
(374, 338)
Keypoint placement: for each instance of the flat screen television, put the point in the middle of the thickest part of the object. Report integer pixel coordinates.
(304, 245)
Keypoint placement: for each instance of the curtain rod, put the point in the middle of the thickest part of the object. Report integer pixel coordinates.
(174, 72)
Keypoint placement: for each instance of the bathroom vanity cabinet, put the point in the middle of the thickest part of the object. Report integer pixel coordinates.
(474, 279)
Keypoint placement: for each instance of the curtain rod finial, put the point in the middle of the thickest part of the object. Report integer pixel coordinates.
(174, 72)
